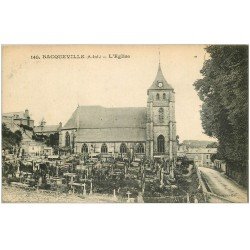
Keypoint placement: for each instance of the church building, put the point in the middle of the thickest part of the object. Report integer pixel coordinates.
(143, 131)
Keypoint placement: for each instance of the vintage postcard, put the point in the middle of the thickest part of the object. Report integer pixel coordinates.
(125, 123)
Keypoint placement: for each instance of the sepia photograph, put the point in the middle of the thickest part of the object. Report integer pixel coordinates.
(125, 123)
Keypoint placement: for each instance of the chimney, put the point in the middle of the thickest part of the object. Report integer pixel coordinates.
(26, 113)
(60, 126)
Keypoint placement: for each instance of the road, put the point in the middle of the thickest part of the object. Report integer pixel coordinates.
(220, 185)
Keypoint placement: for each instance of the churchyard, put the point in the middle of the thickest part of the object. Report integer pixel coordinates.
(76, 178)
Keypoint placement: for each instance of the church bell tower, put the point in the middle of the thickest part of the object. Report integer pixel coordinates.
(161, 125)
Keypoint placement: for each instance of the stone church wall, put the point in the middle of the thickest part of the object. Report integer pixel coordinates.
(113, 147)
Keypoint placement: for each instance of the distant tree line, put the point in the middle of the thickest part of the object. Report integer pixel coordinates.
(224, 114)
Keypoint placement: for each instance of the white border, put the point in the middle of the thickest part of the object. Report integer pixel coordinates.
(148, 226)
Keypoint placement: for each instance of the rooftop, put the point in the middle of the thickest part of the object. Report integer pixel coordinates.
(46, 128)
(111, 135)
(101, 117)
(16, 115)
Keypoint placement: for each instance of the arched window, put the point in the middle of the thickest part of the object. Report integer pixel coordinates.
(160, 144)
(140, 149)
(123, 148)
(67, 139)
(157, 96)
(164, 96)
(85, 148)
(73, 140)
(104, 148)
(161, 115)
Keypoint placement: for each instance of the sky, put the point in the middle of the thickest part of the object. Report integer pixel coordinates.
(52, 88)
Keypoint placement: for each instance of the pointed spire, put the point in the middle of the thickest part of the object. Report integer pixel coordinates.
(159, 57)
(160, 75)
(78, 117)
(160, 82)
(78, 100)
(43, 122)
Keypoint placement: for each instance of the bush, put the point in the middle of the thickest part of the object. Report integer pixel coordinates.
(26, 127)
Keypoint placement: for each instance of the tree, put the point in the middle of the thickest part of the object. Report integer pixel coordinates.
(224, 114)
(26, 127)
(18, 136)
(53, 140)
(178, 140)
(40, 138)
(10, 139)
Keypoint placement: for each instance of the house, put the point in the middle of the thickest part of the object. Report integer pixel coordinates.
(201, 156)
(43, 129)
(15, 120)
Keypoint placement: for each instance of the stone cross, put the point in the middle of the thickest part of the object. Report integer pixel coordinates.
(143, 176)
(195, 199)
(140, 198)
(84, 189)
(172, 170)
(161, 176)
(91, 188)
(71, 179)
(128, 194)
(143, 188)
(18, 168)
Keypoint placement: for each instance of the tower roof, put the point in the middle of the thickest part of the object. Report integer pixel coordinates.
(160, 79)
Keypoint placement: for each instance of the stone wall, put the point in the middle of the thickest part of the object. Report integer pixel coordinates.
(113, 147)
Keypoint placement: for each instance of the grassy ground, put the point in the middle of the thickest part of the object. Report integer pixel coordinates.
(19, 195)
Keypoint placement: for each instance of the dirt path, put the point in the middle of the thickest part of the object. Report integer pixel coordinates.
(220, 185)
(20, 195)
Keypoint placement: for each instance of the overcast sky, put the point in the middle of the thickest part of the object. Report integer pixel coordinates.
(52, 88)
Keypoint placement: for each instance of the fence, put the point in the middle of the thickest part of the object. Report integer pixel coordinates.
(215, 198)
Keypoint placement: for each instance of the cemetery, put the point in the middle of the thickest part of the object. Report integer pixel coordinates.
(119, 180)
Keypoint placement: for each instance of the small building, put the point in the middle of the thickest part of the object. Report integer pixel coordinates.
(14, 120)
(32, 148)
(220, 165)
(201, 156)
(48, 151)
(36, 148)
(181, 150)
(43, 129)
